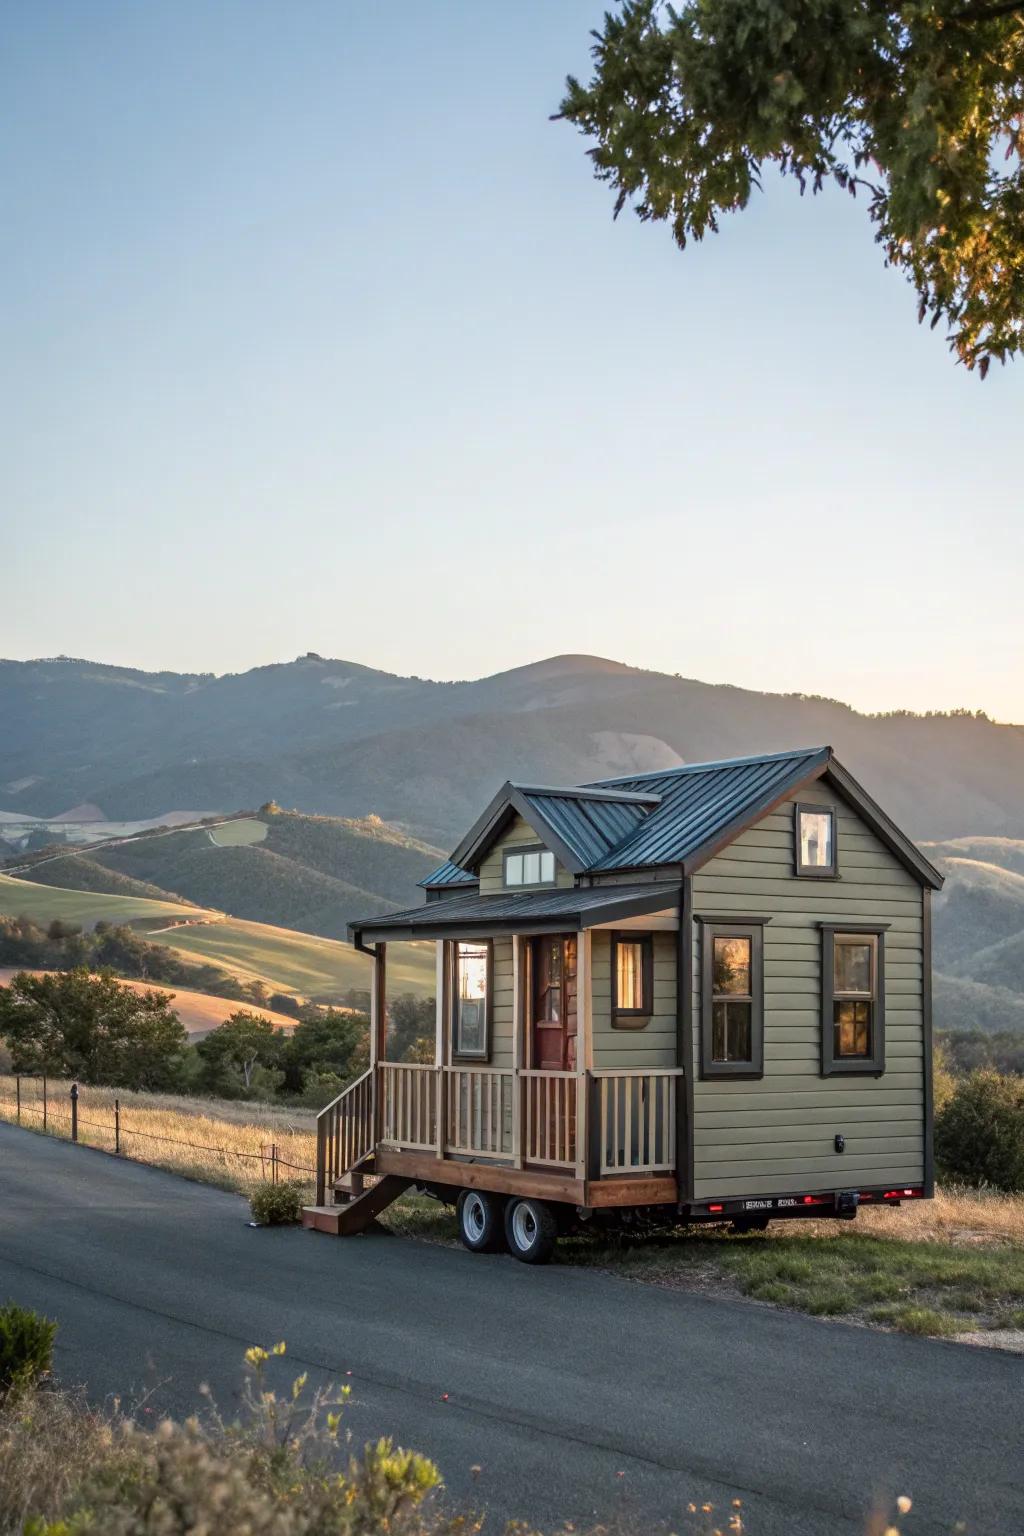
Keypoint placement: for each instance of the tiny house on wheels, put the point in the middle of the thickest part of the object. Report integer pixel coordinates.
(701, 994)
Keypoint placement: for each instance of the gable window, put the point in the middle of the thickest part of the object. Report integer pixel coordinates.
(815, 837)
(529, 866)
(732, 1000)
(853, 999)
(471, 999)
(632, 980)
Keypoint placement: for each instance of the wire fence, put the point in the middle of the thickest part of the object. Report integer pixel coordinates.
(39, 1103)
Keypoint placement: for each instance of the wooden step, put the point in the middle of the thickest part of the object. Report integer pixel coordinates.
(356, 1214)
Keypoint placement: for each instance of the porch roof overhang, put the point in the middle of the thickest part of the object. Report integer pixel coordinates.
(472, 916)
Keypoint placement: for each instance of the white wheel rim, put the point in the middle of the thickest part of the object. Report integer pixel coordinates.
(474, 1217)
(524, 1226)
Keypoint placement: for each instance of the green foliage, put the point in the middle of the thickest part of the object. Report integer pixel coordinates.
(26, 1347)
(326, 1045)
(979, 1133)
(276, 1205)
(73, 1024)
(411, 1028)
(917, 104)
(968, 1050)
(242, 1054)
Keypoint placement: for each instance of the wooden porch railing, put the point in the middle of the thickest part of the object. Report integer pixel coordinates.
(408, 1115)
(636, 1121)
(480, 1111)
(344, 1133)
(555, 1111)
(607, 1121)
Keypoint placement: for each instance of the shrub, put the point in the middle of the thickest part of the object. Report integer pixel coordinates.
(278, 1470)
(979, 1133)
(276, 1205)
(26, 1347)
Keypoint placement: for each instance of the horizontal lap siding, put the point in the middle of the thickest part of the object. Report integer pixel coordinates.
(775, 1135)
(635, 1049)
(503, 1015)
(492, 871)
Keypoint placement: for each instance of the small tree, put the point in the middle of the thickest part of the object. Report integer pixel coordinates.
(244, 1044)
(411, 1028)
(326, 1043)
(979, 1133)
(73, 1024)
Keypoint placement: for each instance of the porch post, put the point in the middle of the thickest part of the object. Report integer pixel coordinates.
(440, 1046)
(518, 1030)
(378, 1029)
(584, 1049)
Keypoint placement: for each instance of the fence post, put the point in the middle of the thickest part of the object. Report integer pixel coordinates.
(117, 1125)
(44, 1101)
(273, 1161)
(74, 1111)
(17, 1085)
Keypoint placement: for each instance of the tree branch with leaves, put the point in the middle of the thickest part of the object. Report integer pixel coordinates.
(920, 106)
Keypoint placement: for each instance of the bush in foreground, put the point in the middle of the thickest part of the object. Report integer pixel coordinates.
(281, 1469)
(276, 1205)
(979, 1133)
(26, 1347)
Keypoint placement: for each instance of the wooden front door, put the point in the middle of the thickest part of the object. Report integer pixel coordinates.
(553, 1002)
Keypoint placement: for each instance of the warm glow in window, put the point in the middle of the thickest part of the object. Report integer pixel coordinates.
(629, 976)
(732, 1000)
(471, 967)
(853, 994)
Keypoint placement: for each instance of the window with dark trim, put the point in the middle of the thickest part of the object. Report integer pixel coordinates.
(852, 999)
(472, 990)
(814, 836)
(528, 867)
(732, 1000)
(632, 980)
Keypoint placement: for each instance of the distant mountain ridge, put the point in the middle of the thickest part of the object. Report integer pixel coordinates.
(333, 737)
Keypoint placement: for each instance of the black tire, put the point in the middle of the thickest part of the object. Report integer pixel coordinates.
(741, 1224)
(481, 1226)
(531, 1231)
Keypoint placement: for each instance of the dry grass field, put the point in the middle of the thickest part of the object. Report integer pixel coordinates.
(217, 1141)
(28, 898)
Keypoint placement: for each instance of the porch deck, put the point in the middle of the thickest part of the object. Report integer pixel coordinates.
(589, 1138)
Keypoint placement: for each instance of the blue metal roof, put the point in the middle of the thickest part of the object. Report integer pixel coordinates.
(446, 875)
(700, 801)
(590, 826)
(579, 907)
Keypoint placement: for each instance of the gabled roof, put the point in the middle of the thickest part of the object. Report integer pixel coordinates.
(473, 916)
(580, 826)
(703, 806)
(445, 876)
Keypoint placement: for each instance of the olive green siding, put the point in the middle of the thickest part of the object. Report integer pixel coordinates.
(502, 1014)
(520, 832)
(776, 1135)
(655, 1044)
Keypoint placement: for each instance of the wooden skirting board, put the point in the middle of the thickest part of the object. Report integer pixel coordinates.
(425, 1168)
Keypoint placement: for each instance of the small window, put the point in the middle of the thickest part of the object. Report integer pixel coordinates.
(530, 866)
(471, 1000)
(815, 836)
(853, 1004)
(732, 1013)
(632, 980)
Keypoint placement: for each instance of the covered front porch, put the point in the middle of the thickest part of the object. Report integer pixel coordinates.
(546, 1112)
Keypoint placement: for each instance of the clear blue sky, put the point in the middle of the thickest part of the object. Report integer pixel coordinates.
(317, 334)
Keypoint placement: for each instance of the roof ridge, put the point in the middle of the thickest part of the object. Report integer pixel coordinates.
(712, 763)
(585, 792)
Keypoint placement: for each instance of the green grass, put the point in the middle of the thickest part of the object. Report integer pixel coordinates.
(295, 962)
(239, 834)
(930, 1288)
(44, 902)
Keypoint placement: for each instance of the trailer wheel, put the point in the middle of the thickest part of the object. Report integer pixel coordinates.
(480, 1220)
(530, 1230)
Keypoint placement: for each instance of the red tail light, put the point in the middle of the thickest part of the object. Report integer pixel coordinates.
(714, 1207)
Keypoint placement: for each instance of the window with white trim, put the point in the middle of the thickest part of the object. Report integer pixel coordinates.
(529, 866)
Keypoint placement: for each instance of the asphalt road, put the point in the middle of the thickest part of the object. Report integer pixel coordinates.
(578, 1396)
